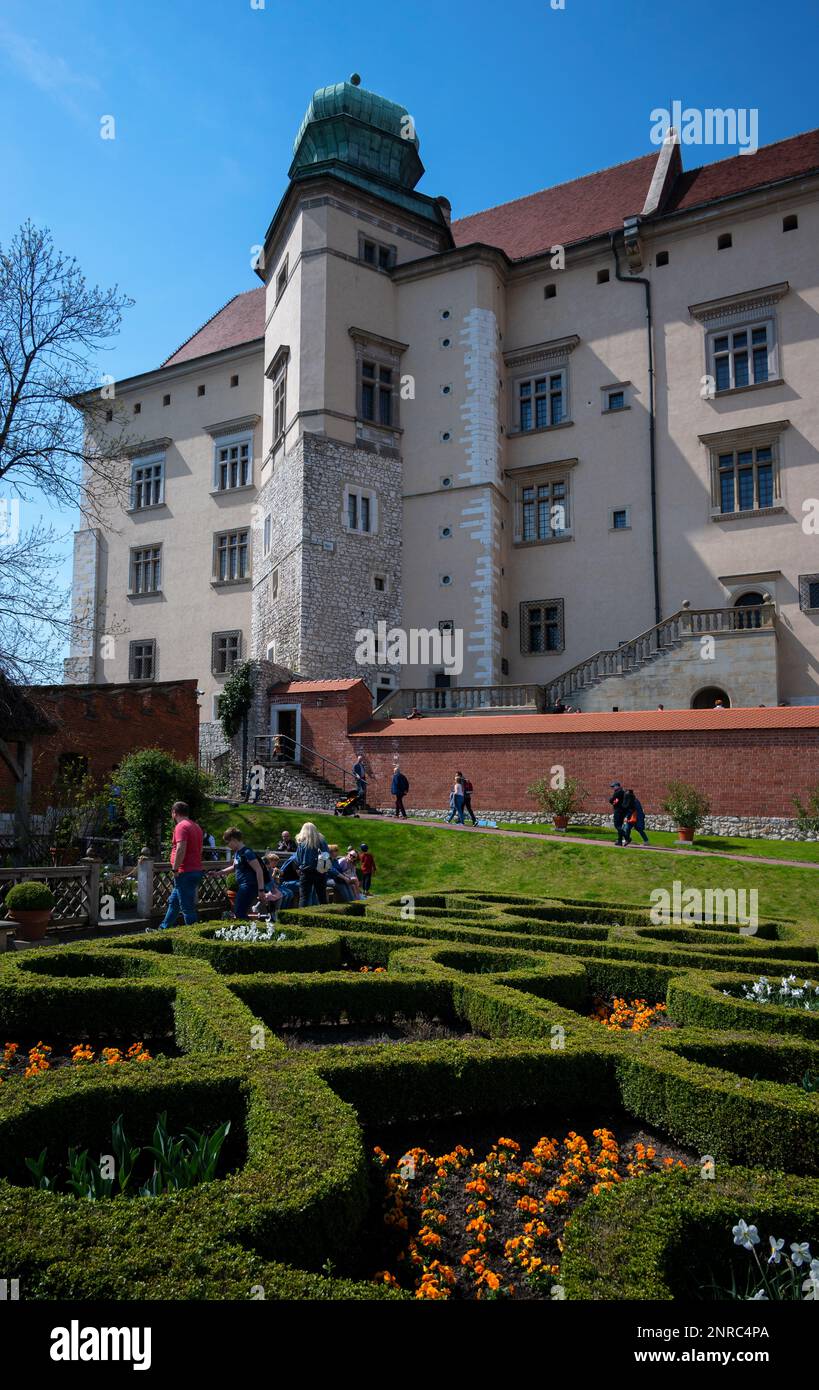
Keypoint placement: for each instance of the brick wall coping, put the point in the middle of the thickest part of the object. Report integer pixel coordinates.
(622, 722)
(311, 687)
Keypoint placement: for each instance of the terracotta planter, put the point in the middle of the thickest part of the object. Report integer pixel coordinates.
(231, 895)
(32, 923)
(685, 833)
(560, 822)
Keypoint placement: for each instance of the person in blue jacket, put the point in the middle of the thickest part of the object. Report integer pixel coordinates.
(313, 859)
(249, 871)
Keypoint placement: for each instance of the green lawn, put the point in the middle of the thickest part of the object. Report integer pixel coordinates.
(806, 850)
(413, 858)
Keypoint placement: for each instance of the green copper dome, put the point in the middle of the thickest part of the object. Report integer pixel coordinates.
(348, 130)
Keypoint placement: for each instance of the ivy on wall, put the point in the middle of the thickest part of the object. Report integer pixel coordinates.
(235, 699)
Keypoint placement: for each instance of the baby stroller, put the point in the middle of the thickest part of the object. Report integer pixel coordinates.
(346, 805)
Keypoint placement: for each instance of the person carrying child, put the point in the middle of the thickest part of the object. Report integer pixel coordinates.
(367, 866)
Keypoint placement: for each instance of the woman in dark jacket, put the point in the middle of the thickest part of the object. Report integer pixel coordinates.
(313, 859)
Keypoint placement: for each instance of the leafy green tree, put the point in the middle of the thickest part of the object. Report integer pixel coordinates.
(151, 781)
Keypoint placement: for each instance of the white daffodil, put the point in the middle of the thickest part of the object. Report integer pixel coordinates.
(776, 1246)
(758, 1296)
(745, 1235)
(810, 1288)
(800, 1254)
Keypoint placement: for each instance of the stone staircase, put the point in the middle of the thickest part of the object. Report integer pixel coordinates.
(294, 784)
(672, 660)
(668, 664)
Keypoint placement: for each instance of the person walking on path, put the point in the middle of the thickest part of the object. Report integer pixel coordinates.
(468, 790)
(186, 862)
(313, 860)
(456, 800)
(399, 788)
(618, 791)
(635, 818)
(360, 775)
(627, 801)
(249, 871)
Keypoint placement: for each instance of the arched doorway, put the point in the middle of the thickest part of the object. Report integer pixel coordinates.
(753, 601)
(707, 698)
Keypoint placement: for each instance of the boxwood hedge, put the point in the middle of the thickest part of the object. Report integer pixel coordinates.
(728, 1081)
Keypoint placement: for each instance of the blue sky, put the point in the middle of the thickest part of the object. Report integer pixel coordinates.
(207, 96)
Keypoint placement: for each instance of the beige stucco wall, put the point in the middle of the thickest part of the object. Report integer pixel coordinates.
(190, 607)
(604, 577)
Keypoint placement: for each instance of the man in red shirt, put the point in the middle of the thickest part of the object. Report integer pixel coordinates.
(186, 862)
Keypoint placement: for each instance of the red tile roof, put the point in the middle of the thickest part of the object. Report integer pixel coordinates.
(621, 722)
(597, 203)
(240, 321)
(308, 687)
(784, 160)
(568, 212)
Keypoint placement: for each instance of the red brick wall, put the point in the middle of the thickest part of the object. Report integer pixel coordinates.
(744, 772)
(104, 723)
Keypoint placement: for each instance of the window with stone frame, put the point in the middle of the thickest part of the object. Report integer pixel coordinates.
(233, 463)
(541, 508)
(377, 386)
(809, 593)
(538, 386)
(541, 626)
(746, 470)
(142, 659)
(147, 482)
(226, 650)
(280, 400)
(741, 356)
(360, 510)
(146, 570)
(741, 339)
(231, 556)
(746, 480)
(267, 534)
(378, 381)
(541, 400)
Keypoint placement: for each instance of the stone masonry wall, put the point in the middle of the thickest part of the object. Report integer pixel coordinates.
(339, 566)
(276, 605)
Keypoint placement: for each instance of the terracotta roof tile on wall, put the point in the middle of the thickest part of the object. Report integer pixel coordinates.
(621, 722)
(240, 321)
(568, 212)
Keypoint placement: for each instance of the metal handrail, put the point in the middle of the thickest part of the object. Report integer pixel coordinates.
(296, 747)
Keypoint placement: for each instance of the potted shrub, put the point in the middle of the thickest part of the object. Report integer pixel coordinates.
(231, 884)
(687, 807)
(30, 905)
(560, 803)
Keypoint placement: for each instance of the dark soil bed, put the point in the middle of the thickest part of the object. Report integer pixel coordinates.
(401, 1030)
